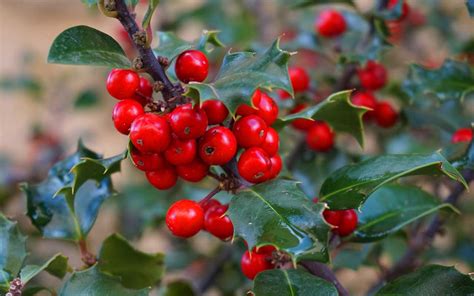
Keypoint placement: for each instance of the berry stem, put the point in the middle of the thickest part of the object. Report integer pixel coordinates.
(171, 92)
(210, 195)
(86, 256)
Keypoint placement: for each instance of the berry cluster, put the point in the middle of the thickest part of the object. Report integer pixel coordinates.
(185, 218)
(343, 221)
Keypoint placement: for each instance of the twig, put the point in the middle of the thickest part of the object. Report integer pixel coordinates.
(323, 271)
(210, 195)
(171, 92)
(409, 261)
(87, 257)
(213, 269)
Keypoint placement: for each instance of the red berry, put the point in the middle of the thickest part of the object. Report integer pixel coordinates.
(217, 223)
(218, 146)
(267, 109)
(124, 113)
(244, 109)
(185, 218)
(284, 95)
(345, 221)
(194, 171)
(250, 131)
(462, 135)
(145, 91)
(385, 115)
(192, 65)
(365, 99)
(122, 84)
(348, 222)
(216, 111)
(180, 151)
(405, 8)
(320, 137)
(162, 179)
(299, 79)
(188, 122)
(147, 161)
(373, 76)
(276, 166)
(301, 124)
(330, 23)
(252, 263)
(209, 204)
(254, 165)
(150, 133)
(271, 142)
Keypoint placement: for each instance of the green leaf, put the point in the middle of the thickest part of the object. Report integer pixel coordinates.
(431, 280)
(82, 45)
(279, 213)
(306, 3)
(338, 111)
(177, 288)
(152, 4)
(56, 266)
(86, 98)
(32, 291)
(56, 209)
(92, 282)
(135, 269)
(241, 73)
(280, 282)
(170, 45)
(470, 7)
(453, 81)
(349, 186)
(12, 250)
(392, 207)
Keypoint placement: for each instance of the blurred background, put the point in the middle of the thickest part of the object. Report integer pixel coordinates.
(47, 108)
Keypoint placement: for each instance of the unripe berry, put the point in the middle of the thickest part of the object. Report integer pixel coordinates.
(462, 135)
(271, 142)
(122, 84)
(216, 111)
(373, 76)
(365, 99)
(385, 115)
(147, 161)
(185, 218)
(188, 122)
(124, 113)
(320, 137)
(192, 65)
(164, 178)
(194, 171)
(217, 223)
(330, 23)
(301, 124)
(181, 151)
(254, 165)
(150, 133)
(250, 131)
(218, 146)
(299, 79)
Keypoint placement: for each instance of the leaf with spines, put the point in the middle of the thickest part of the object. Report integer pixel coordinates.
(56, 210)
(57, 266)
(279, 213)
(431, 280)
(83, 45)
(136, 270)
(92, 282)
(349, 186)
(452, 81)
(392, 207)
(282, 282)
(170, 45)
(13, 251)
(241, 73)
(338, 111)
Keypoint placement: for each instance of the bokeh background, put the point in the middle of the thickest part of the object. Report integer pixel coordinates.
(46, 108)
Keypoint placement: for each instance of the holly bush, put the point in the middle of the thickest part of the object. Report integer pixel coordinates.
(290, 161)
